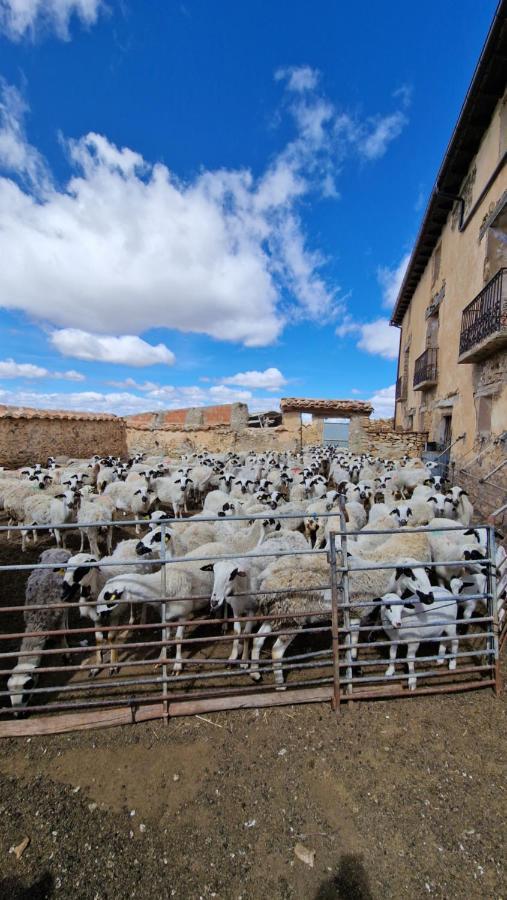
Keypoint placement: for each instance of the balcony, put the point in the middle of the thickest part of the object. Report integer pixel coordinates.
(401, 389)
(484, 321)
(426, 369)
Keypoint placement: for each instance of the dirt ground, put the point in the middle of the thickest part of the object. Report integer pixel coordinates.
(399, 798)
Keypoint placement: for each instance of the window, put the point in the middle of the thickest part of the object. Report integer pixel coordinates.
(496, 245)
(446, 431)
(484, 405)
(437, 258)
(432, 332)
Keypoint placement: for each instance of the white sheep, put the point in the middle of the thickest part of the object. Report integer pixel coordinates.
(414, 621)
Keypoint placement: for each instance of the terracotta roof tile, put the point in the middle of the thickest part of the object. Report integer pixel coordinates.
(332, 407)
(28, 412)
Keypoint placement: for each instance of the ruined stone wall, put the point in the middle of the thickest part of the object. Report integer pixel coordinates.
(217, 439)
(28, 440)
(377, 436)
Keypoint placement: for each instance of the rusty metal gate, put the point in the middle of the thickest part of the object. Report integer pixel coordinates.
(338, 655)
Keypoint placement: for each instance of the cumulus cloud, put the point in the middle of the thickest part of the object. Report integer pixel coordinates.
(125, 243)
(128, 402)
(379, 338)
(11, 369)
(271, 379)
(126, 349)
(22, 18)
(383, 402)
(390, 281)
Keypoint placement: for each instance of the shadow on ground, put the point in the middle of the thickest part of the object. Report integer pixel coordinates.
(350, 882)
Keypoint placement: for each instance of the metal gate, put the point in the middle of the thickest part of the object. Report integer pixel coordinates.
(336, 434)
(333, 657)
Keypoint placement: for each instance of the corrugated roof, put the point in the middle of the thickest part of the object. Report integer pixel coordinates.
(333, 407)
(28, 412)
(486, 88)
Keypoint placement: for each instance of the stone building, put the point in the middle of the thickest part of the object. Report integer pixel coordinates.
(452, 304)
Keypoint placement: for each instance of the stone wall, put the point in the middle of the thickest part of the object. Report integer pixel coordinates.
(32, 438)
(377, 436)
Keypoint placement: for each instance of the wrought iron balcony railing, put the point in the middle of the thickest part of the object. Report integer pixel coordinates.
(484, 321)
(401, 388)
(426, 369)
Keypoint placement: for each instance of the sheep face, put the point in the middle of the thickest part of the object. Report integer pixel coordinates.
(392, 608)
(20, 685)
(413, 580)
(108, 602)
(76, 579)
(226, 573)
(402, 513)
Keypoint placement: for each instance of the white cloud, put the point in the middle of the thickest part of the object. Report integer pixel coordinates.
(16, 154)
(128, 402)
(19, 18)
(404, 94)
(390, 281)
(271, 379)
(383, 402)
(384, 130)
(298, 78)
(11, 369)
(127, 246)
(380, 339)
(126, 349)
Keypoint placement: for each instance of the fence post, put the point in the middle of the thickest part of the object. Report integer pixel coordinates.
(345, 592)
(493, 607)
(163, 576)
(334, 623)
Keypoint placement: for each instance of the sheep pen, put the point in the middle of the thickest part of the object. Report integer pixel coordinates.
(257, 761)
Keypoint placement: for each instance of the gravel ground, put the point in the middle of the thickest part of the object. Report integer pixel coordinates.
(396, 798)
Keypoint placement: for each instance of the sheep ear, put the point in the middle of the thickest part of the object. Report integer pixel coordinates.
(233, 574)
(432, 500)
(425, 598)
(209, 567)
(409, 606)
(59, 496)
(463, 493)
(409, 511)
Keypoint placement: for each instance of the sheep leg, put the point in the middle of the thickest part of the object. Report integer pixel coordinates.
(246, 643)
(99, 641)
(235, 644)
(34, 536)
(355, 625)
(279, 647)
(411, 652)
(258, 642)
(24, 540)
(109, 540)
(82, 535)
(393, 650)
(451, 632)
(441, 653)
(92, 536)
(179, 637)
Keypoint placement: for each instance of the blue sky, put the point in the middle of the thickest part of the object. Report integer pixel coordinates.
(207, 202)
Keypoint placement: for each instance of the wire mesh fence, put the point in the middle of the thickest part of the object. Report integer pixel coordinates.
(217, 630)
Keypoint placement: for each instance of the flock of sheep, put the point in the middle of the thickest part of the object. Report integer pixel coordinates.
(252, 547)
